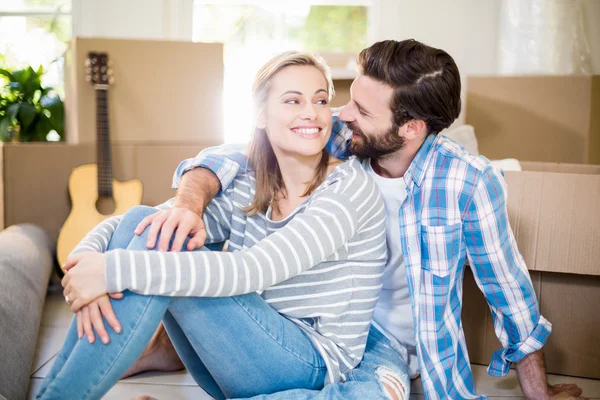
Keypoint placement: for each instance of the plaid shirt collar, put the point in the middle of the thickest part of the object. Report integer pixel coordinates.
(418, 166)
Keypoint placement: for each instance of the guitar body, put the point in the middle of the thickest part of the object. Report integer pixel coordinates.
(84, 216)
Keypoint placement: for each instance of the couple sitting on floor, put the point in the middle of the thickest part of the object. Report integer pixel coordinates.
(347, 232)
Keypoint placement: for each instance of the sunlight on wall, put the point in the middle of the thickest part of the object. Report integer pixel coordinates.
(253, 33)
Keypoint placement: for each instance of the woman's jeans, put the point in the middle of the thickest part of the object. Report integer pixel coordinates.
(232, 346)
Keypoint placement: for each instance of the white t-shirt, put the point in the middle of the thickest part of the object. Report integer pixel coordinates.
(393, 312)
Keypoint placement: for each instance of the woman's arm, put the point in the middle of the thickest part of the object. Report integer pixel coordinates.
(310, 238)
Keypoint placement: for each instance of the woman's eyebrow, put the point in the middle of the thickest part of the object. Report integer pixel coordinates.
(300, 93)
(292, 92)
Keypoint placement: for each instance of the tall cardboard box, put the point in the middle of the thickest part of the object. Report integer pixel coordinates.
(536, 118)
(163, 92)
(554, 211)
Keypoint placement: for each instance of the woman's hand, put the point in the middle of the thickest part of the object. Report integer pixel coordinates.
(86, 282)
(90, 317)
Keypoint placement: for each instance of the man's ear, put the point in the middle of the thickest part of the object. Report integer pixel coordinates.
(415, 128)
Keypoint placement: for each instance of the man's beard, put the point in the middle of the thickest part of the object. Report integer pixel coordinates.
(378, 145)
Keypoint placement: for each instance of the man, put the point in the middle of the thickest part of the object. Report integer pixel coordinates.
(444, 207)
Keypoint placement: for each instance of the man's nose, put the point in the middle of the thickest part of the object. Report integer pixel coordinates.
(346, 114)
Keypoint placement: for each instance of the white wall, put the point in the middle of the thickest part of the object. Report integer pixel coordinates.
(133, 19)
(466, 29)
(592, 26)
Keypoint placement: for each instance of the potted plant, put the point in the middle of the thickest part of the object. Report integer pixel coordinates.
(28, 111)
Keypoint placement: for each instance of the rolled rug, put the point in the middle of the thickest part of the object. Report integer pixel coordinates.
(26, 258)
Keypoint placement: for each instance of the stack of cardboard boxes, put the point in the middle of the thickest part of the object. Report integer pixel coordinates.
(551, 124)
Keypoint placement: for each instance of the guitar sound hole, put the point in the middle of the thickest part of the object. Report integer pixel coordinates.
(105, 205)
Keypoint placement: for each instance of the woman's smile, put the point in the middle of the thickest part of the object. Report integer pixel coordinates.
(307, 132)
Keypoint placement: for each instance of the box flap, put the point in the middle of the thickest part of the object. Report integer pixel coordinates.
(556, 220)
(560, 167)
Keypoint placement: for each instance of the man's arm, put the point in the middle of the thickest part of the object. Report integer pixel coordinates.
(531, 372)
(196, 189)
(501, 274)
(224, 161)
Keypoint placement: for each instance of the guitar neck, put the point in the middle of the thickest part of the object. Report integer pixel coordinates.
(103, 150)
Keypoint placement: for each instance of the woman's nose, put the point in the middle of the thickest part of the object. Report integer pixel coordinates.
(309, 111)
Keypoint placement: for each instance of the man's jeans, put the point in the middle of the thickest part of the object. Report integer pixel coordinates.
(233, 347)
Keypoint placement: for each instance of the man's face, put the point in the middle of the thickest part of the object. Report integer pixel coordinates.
(370, 118)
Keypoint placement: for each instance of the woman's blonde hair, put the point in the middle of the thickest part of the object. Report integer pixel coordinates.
(261, 156)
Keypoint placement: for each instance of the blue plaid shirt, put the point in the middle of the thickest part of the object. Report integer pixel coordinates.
(455, 210)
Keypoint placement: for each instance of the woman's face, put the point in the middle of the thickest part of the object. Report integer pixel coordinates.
(297, 115)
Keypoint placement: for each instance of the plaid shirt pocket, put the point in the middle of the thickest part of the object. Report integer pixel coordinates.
(440, 248)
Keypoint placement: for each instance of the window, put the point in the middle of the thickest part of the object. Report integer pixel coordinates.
(36, 32)
(256, 30)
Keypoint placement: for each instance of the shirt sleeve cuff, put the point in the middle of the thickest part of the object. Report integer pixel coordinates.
(226, 170)
(503, 358)
(113, 272)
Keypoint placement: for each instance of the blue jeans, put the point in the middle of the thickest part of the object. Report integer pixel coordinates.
(364, 382)
(232, 346)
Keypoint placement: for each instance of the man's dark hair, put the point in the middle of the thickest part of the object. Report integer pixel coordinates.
(425, 80)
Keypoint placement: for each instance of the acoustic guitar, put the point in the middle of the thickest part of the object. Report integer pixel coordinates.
(95, 195)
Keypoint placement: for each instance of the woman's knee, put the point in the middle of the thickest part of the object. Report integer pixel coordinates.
(136, 214)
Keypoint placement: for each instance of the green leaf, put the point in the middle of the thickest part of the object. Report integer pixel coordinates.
(21, 76)
(13, 111)
(7, 74)
(57, 112)
(5, 123)
(27, 113)
(15, 86)
(32, 85)
(42, 128)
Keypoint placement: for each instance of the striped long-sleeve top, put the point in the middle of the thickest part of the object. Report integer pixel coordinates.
(321, 267)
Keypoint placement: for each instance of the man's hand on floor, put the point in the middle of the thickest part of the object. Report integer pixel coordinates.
(531, 372)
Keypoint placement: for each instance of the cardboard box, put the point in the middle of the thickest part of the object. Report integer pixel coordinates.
(164, 91)
(554, 211)
(536, 118)
(342, 92)
(35, 177)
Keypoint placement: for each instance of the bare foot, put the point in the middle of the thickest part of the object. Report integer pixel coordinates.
(160, 355)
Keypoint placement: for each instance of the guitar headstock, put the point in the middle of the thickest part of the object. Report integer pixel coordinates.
(97, 69)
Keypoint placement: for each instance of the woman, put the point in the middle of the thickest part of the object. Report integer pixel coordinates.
(306, 230)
